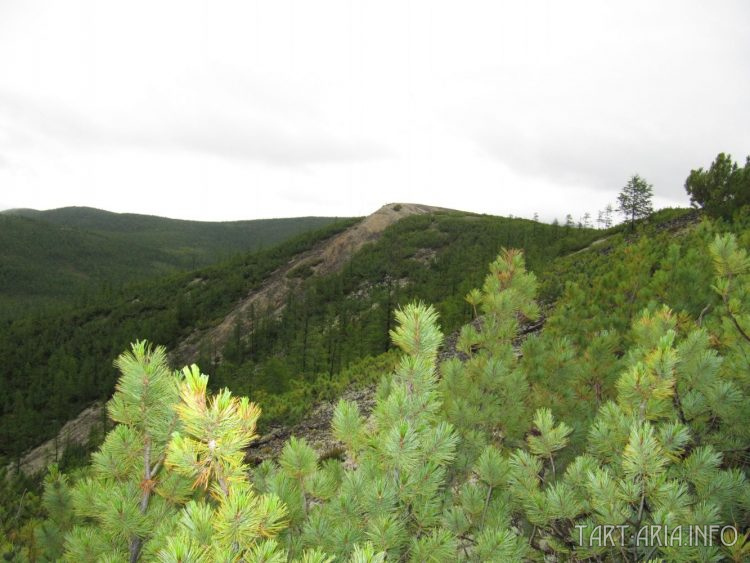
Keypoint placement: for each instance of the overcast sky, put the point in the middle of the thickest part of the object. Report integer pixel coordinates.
(250, 109)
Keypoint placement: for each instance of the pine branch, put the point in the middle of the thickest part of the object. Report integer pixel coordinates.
(651, 552)
(678, 405)
(136, 543)
(147, 484)
(705, 310)
(159, 462)
(486, 505)
(737, 325)
(20, 504)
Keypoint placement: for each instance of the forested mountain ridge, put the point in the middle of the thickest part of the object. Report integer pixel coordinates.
(57, 364)
(325, 258)
(61, 257)
(205, 238)
(629, 402)
(628, 409)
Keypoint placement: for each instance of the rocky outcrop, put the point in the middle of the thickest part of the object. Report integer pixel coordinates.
(76, 431)
(315, 428)
(327, 257)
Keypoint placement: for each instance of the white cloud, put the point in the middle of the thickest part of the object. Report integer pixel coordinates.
(253, 109)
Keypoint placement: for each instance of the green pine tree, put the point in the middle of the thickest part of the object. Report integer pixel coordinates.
(508, 452)
(634, 201)
(169, 482)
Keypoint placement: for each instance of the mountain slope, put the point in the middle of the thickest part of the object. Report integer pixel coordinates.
(541, 429)
(325, 258)
(200, 241)
(42, 263)
(322, 301)
(64, 255)
(56, 363)
(597, 265)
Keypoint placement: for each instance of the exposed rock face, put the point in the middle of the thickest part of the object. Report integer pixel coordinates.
(327, 257)
(315, 428)
(74, 431)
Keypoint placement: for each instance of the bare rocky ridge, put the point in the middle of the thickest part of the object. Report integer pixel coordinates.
(76, 431)
(327, 257)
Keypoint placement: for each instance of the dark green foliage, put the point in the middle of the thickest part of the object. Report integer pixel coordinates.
(66, 256)
(722, 189)
(634, 201)
(525, 468)
(56, 364)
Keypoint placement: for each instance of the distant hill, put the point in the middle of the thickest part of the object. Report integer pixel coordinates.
(62, 255)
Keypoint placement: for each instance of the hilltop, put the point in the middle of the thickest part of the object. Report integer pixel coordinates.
(63, 256)
(325, 258)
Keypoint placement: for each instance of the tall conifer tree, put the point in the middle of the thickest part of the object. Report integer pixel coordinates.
(634, 201)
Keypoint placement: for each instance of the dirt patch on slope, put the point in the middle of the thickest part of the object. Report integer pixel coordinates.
(327, 257)
(74, 432)
(315, 427)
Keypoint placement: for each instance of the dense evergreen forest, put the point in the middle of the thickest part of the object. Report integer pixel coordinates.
(55, 363)
(628, 410)
(340, 318)
(332, 321)
(64, 257)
